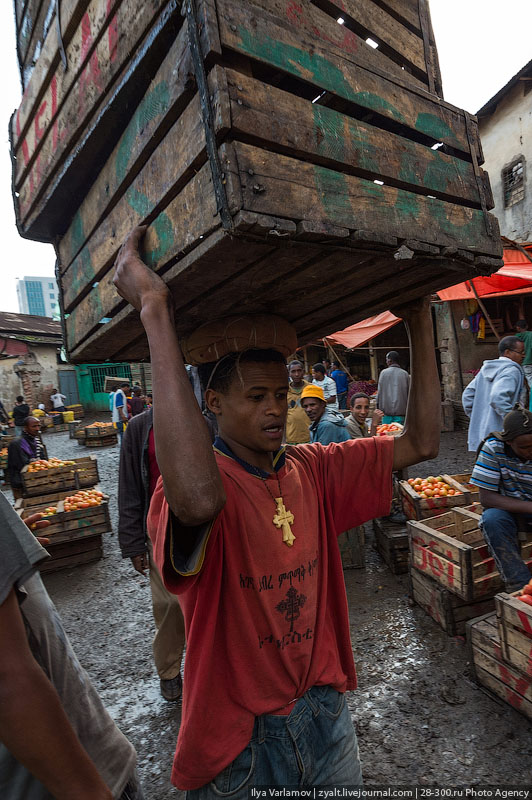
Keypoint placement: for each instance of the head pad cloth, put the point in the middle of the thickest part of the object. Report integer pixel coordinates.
(215, 339)
(313, 391)
(516, 423)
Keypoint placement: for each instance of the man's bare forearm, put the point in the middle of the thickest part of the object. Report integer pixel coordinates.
(421, 437)
(491, 499)
(192, 482)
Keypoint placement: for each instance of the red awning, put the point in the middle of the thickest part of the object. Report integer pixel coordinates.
(514, 278)
(360, 333)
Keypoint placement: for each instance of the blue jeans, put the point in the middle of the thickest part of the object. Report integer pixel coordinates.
(342, 400)
(315, 745)
(499, 529)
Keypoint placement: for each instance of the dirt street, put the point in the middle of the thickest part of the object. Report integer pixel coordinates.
(420, 718)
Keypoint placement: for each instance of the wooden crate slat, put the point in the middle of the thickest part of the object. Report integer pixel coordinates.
(406, 10)
(83, 474)
(270, 43)
(94, 553)
(416, 507)
(304, 129)
(170, 167)
(109, 57)
(168, 94)
(447, 572)
(514, 621)
(406, 47)
(289, 188)
(42, 25)
(448, 610)
(29, 23)
(391, 542)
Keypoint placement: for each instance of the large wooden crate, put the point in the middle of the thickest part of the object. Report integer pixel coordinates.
(75, 536)
(108, 440)
(451, 549)
(465, 479)
(514, 621)
(447, 609)
(273, 149)
(416, 507)
(391, 542)
(82, 474)
(511, 684)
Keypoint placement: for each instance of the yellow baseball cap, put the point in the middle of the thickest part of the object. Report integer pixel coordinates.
(313, 391)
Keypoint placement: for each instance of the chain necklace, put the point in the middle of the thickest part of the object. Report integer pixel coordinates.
(283, 518)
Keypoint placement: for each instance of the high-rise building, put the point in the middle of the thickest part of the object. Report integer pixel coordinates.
(38, 296)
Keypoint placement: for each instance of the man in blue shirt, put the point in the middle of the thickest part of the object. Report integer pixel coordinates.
(503, 473)
(327, 425)
(342, 384)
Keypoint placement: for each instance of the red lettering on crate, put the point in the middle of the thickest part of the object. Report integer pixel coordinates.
(38, 130)
(524, 619)
(25, 150)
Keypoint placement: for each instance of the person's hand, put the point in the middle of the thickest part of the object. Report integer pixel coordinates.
(141, 563)
(34, 522)
(376, 417)
(134, 281)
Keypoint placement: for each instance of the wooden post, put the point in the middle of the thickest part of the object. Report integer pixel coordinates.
(337, 358)
(484, 310)
(373, 365)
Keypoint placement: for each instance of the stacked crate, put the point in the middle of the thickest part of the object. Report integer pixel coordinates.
(101, 436)
(75, 536)
(391, 543)
(501, 646)
(281, 162)
(416, 507)
(453, 575)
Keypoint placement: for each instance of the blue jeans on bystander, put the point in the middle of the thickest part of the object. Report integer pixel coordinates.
(499, 529)
(315, 745)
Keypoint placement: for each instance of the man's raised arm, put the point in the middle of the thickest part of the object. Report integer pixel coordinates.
(421, 438)
(192, 483)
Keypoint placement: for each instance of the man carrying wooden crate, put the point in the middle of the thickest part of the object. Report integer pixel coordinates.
(504, 477)
(246, 534)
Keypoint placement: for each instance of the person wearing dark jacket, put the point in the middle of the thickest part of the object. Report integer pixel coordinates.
(326, 426)
(20, 411)
(21, 451)
(137, 478)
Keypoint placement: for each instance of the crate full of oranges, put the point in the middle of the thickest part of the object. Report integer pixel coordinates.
(427, 497)
(84, 512)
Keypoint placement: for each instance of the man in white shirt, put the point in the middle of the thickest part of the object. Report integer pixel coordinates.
(58, 400)
(119, 417)
(319, 378)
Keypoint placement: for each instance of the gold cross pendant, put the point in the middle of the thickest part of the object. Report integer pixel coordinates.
(283, 519)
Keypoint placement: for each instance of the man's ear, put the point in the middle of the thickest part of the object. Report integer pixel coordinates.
(213, 401)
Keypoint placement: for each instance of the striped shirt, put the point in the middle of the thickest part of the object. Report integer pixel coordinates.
(498, 469)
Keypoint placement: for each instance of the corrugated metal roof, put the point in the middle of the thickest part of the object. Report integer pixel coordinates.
(22, 325)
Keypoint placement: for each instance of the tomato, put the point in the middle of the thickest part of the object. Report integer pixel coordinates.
(527, 589)
(428, 492)
(450, 492)
(422, 494)
(436, 493)
(443, 492)
(525, 598)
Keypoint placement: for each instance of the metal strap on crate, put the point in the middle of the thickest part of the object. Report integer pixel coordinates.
(207, 113)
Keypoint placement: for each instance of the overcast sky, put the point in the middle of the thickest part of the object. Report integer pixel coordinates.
(481, 45)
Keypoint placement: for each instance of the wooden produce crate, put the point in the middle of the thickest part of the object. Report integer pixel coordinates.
(79, 411)
(99, 441)
(416, 507)
(391, 542)
(60, 428)
(251, 190)
(451, 549)
(465, 479)
(352, 548)
(83, 473)
(511, 684)
(447, 609)
(74, 428)
(514, 620)
(99, 432)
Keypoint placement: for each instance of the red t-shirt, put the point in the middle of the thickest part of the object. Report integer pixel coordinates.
(265, 622)
(152, 460)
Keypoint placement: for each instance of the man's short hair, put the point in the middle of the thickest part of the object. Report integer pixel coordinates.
(319, 368)
(358, 396)
(522, 323)
(393, 356)
(19, 398)
(124, 385)
(295, 364)
(218, 375)
(335, 364)
(508, 343)
(27, 419)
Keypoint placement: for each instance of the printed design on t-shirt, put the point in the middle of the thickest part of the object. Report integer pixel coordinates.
(291, 606)
(289, 603)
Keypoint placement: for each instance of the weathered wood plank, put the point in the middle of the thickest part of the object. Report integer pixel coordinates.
(406, 10)
(108, 58)
(169, 92)
(39, 109)
(379, 25)
(313, 132)
(192, 214)
(347, 76)
(292, 188)
(41, 27)
(20, 9)
(172, 164)
(27, 28)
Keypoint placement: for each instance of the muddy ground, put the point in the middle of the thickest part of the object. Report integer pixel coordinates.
(420, 718)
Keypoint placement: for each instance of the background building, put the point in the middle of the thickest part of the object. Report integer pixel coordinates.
(38, 296)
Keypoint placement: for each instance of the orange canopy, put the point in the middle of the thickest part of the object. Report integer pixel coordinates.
(360, 333)
(514, 278)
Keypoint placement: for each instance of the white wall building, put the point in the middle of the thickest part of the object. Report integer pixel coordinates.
(505, 126)
(38, 296)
